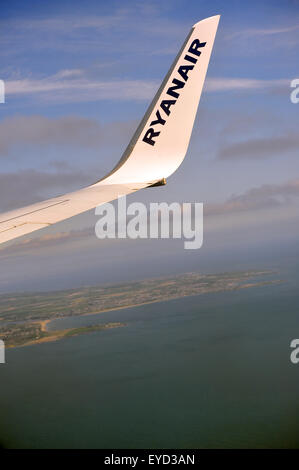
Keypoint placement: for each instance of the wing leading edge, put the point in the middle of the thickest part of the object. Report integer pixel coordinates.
(156, 150)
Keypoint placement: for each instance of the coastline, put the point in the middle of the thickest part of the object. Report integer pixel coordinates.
(42, 334)
(140, 304)
(60, 334)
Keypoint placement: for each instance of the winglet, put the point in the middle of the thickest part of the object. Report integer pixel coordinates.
(160, 142)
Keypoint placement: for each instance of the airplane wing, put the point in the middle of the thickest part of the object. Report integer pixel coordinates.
(155, 151)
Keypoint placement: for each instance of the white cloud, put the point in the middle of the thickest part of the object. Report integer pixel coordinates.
(263, 147)
(235, 84)
(27, 186)
(262, 197)
(75, 86)
(253, 32)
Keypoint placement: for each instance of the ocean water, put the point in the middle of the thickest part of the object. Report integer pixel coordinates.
(209, 371)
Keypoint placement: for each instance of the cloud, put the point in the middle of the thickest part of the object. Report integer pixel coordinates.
(72, 86)
(44, 241)
(39, 130)
(120, 20)
(27, 186)
(246, 84)
(263, 197)
(279, 37)
(81, 140)
(262, 43)
(263, 147)
(70, 23)
(86, 33)
(35, 131)
(255, 32)
(23, 135)
(75, 86)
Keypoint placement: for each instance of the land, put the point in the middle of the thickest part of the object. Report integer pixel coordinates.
(34, 334)
(24, 318)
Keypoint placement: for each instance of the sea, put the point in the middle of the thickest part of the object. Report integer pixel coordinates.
(207, 371)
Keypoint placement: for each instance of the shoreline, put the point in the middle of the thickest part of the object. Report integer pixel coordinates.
(55, 335)
(113, 309)
(69, 332)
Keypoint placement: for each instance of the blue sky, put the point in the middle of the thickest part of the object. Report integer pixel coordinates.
(79, 76)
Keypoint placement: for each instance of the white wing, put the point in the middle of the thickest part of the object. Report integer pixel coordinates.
(156, 150)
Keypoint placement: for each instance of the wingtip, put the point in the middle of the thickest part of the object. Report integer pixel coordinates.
(215, 18)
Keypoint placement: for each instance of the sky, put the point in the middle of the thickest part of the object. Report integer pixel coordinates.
(78, 79)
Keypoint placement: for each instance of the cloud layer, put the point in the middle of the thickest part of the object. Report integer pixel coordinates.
(256, 199)
(75, 86)
(73, 131)
(263, 147)
(28, 186)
